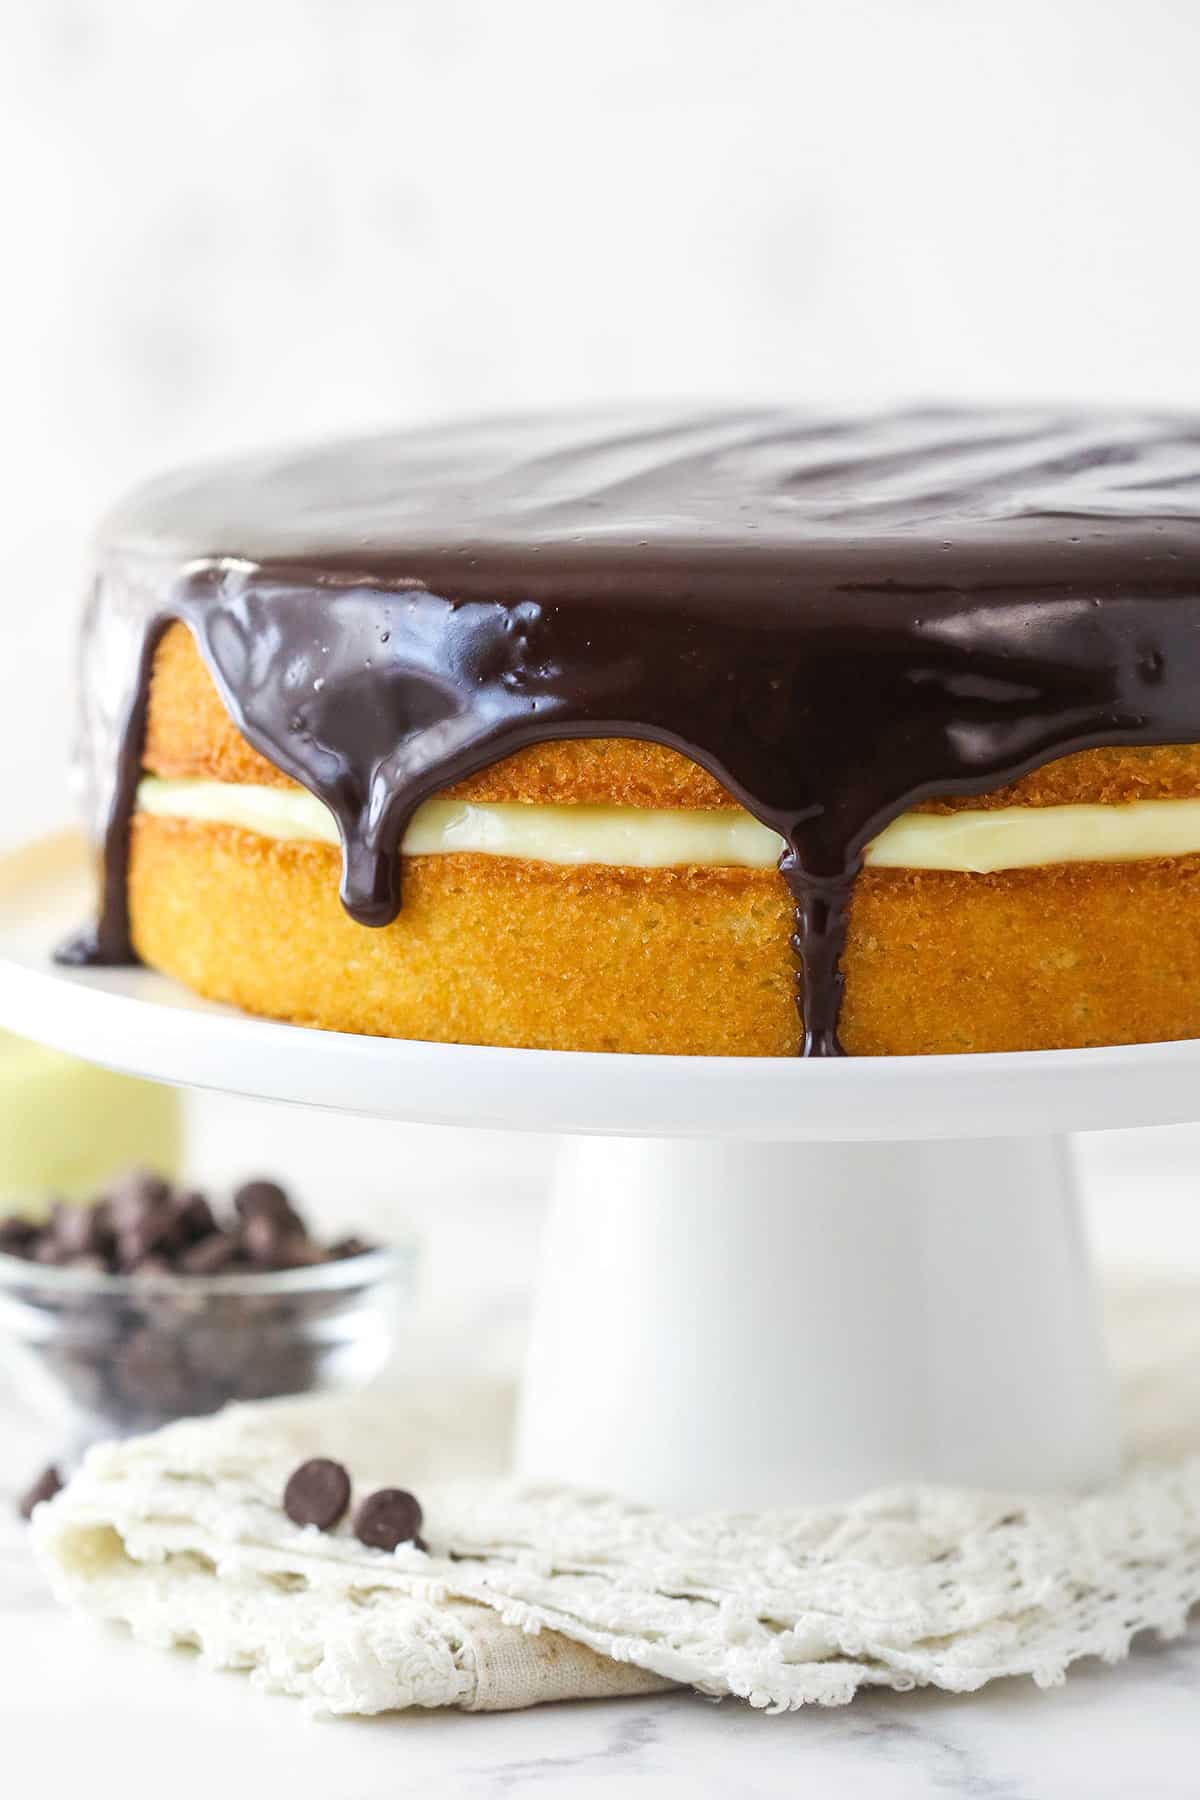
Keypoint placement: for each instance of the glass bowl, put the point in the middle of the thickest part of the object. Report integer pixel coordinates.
(107, 1355)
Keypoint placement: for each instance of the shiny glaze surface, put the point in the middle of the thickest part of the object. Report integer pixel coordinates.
(837, 618)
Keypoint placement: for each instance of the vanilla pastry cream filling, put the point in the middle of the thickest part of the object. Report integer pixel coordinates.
(980, 843)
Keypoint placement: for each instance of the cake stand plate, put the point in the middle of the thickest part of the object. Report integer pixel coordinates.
(763, 1281)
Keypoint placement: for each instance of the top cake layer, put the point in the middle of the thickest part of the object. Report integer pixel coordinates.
(837, 620)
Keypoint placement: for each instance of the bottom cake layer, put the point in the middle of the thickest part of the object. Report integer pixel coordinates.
(686, 961)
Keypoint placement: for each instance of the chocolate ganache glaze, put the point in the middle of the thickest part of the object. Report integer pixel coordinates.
(837, 618)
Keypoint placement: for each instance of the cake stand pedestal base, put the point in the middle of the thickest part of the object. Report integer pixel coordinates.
(765, 1324)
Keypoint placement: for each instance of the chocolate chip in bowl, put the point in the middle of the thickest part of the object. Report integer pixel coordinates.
(150, 1304)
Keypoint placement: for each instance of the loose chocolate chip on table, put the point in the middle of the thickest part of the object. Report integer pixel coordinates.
(387, 1518)
(317, 1493)
(44, 1488)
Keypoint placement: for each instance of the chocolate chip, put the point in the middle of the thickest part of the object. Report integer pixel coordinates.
(295, 1251)
(136, 1197)
(145, 1227)
(317, 1493)
(17, 1236)
(45, 1487)
(276, 1365)
(137, 1242)
(221, 1352)
(266, 1200)
(211, 1255)
(73, 1229)
(193, 1218)
(262, 1239)
(152, 1371)
(386, 1518)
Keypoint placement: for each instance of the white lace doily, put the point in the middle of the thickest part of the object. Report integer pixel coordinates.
(181, 1536)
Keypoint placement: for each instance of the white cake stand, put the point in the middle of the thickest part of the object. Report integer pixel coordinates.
(763, 1282)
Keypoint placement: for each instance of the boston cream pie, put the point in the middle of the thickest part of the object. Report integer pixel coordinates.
(744, 733)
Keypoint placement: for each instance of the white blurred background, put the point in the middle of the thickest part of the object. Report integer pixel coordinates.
(227, 221)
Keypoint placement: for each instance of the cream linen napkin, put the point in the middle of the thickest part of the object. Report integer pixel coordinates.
(532, 1594)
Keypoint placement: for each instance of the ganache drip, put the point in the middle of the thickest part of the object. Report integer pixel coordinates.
(837, 619)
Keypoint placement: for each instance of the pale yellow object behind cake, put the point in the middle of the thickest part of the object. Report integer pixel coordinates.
(66, 1127)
